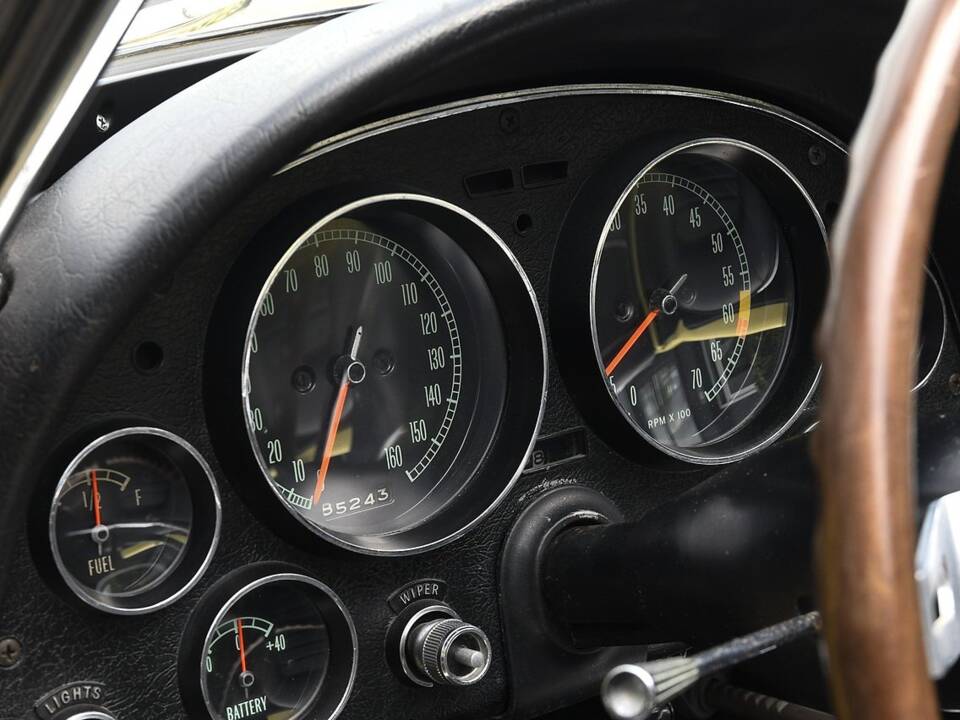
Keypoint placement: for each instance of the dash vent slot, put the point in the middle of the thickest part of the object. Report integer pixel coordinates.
(543, 174)
(494, 182)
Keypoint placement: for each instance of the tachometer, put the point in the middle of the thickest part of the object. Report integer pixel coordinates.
(376, 372)
(693, 299)
(692, 321)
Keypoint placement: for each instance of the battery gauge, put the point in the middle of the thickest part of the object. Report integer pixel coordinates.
(134, 520)
(276, 645)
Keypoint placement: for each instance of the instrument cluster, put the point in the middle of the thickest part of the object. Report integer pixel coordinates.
(399, 345)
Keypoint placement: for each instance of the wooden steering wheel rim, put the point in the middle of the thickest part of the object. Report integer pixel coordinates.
(864, 446)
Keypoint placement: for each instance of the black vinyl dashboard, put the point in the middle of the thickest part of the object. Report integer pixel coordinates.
(326, 424)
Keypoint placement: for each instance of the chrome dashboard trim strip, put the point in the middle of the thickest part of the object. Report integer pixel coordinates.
(459, 107)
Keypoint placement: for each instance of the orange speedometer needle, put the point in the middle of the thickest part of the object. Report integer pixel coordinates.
(331, 437)
(345, 382)
(96, 498)
(622, 352)
(241, 646)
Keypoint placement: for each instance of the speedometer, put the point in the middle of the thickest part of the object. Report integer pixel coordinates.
(376, 373)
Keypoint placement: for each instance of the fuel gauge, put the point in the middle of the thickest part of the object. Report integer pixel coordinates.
(134, 520)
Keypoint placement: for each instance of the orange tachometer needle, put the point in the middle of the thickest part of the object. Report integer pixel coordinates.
(331, 437)
(96, 497)
(622, 352)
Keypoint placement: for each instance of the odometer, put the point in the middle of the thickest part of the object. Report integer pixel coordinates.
(375, 374)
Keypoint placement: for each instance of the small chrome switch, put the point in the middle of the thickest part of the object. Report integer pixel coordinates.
(438, 648)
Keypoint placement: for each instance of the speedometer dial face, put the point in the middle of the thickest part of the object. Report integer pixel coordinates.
(375, 349)
(692, 302)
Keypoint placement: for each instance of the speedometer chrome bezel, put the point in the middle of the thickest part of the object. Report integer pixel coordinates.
(773, 434)
(535, 395)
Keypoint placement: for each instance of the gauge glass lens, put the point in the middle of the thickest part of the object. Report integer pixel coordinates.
(693, 297)
(374, 352)
(268, 654)
(134, 520)
(123, 518)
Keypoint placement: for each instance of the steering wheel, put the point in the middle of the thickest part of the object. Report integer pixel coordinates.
(87, 251)
(864, 446)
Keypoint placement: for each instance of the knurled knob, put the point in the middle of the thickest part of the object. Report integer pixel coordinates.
(451, 652)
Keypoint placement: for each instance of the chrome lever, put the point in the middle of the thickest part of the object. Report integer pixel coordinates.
(634, 692)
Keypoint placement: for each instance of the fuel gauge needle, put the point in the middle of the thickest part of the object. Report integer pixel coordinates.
(98, 528)
(96, 497)
(348, 379)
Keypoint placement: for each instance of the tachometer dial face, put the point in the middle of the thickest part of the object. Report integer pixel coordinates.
(374, 351)
(692, 302)
(122, 520)
(271, 651)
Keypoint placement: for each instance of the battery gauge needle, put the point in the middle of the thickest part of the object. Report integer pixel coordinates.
(353, 373)
(241, 646)
(246, 677)
(666, 303)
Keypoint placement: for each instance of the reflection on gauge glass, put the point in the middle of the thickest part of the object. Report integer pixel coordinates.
(282, 647)
(122, 522)
(376, 373)
(692, 301)
(933, 330)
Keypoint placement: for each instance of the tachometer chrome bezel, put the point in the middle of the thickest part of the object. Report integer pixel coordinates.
(771, 435)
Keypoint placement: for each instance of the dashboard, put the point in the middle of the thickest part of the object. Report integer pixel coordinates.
(301, 470)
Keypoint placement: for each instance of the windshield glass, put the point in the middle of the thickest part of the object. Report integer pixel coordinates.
(163, 22)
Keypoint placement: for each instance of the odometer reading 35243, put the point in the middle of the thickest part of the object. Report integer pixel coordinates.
(363, 376)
